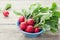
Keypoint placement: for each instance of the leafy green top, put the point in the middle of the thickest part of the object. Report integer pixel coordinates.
(8, 6)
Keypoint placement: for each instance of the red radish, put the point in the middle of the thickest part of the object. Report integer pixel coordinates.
(23, 25)
(30, 21)
(6, 13)
(21, 19)
(36, 30)
(26, 23)
(29, 29)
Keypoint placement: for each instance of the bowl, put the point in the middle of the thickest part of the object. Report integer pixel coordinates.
(30, 35)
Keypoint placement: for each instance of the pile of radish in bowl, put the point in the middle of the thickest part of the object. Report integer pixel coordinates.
(27, 27)
(37, 19)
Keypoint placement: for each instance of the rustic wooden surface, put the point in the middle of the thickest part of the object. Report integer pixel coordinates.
(8, 29)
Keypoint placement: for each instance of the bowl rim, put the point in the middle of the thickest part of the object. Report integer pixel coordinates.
(27, 32)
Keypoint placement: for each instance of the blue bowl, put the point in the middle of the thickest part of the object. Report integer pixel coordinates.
(30, 35)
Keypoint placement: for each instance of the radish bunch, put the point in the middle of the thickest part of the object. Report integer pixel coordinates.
(36, 17)
(5, 10)
(27, 25)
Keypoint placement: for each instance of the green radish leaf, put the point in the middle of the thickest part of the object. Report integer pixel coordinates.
(24, 12)
(53, 29)
(28, 16)
(46, 16)
(56, 13)
(53, 21)
(46, 27)
(35, 7)
(17, 13)
(54, 6)
(36, 20)
(32, 6)
(44, 9)
(8, 6)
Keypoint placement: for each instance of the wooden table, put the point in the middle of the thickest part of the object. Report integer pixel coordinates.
(8, 28)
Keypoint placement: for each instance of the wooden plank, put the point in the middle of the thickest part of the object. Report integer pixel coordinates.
(11, 32)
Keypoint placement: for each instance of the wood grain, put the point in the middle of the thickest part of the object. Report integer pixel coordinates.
(8, 28)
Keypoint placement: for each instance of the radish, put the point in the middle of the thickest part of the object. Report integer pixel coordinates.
(6, 13)
(21, 19)
(23, 25)
(36, 30)
(30, 21)
(29, 29)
